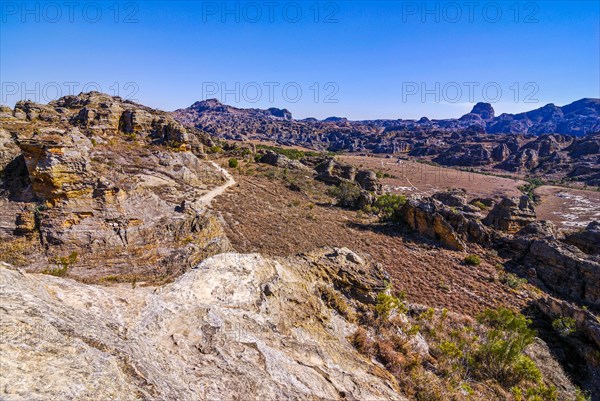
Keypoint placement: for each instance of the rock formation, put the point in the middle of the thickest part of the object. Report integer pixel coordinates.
(93, 180)
(236, 327)
(282, 161)
(446, 217)
(511, 215)
(333, 172)
(588, 240)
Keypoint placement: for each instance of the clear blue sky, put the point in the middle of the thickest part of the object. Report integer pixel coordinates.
(373, 58)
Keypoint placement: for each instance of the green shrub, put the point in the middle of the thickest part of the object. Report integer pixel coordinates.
(512, 280)
(346, 194)
(387, 303)
(472, 260)
(233, 162)
(387, 207)
(500, 355)
(526, 369)
(564, 325)
(63, 264)
(293, 154)
(480, 205)
(529, 188)
(581, 396)
(541, 392)
(450, 350)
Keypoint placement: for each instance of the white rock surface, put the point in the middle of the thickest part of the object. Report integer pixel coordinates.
(212, 334)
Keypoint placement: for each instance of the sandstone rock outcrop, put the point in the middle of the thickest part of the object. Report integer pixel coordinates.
(120, 186)
(585, 341)
(511, 215)
(236, 327)
(8, 149)
(282, 161)
(425, 218)
(588, 240)
(58, 164)
(448, 218)
(566, 270)
(333, 172)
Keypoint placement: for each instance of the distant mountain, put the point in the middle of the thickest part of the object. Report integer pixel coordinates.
(577, 119)
(551, 141)
(213, 109)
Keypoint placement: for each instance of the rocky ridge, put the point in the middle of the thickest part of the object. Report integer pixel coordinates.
(510, 226)
(96, 184)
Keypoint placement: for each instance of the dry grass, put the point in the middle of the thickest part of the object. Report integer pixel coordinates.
(16, 252)
(410, 177)
(262, 214)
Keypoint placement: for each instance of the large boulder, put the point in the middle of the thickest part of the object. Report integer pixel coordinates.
(282, 161)
(588, 240)
(448, 218)
(511, 214)
(6, 113)
(368, 181)
(333, 172)
(565, 270)
(8, 149)
(424, 217)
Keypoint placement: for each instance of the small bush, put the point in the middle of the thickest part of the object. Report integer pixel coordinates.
(360, 340)
(472, 260)
(386, 353)
(500, 355)
(387, 303)
(63, 264)
(480, 205)
(387, 207)
(233, 162)
(541, 392)
(15, 252)
(525, 369)
(346, 194)
(450, 350)
(512, 280)
(564, 326)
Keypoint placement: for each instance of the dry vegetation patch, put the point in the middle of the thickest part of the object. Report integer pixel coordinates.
(278, 213)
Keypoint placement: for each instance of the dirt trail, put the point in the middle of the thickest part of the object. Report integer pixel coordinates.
(207, 198)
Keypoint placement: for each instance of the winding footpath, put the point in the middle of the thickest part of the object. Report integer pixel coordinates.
(207, 198)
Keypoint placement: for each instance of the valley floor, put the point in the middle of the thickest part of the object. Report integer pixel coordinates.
(566, 207)
(262, 214)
